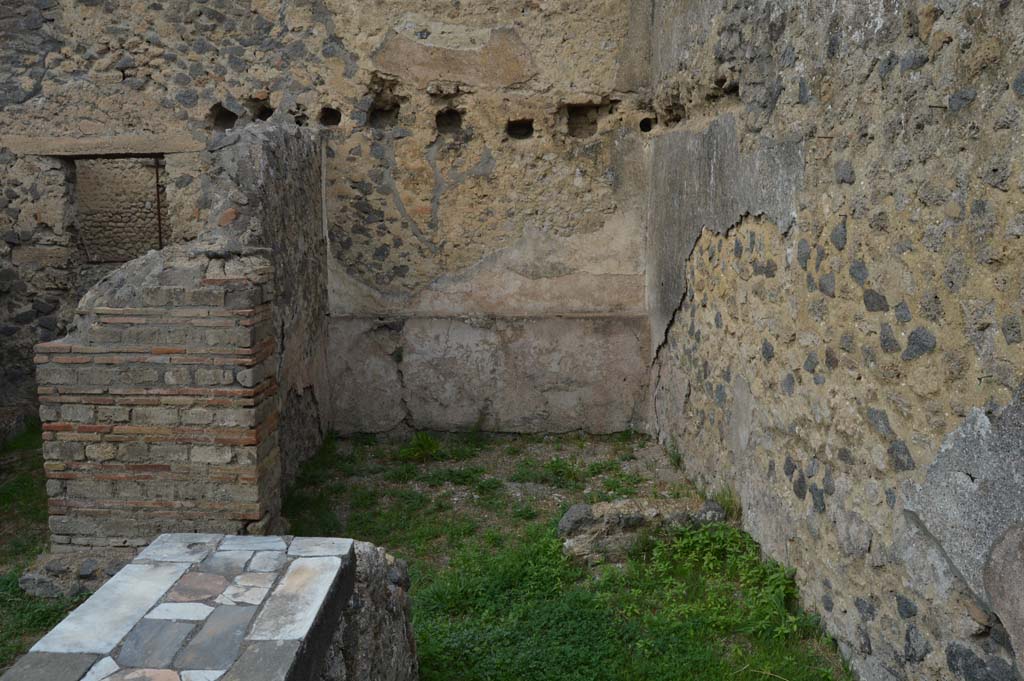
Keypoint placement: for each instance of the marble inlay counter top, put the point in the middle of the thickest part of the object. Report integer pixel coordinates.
(201, 607)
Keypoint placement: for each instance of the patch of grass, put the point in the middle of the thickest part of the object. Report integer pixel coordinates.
(701, 606)
(23, 514)
(675, 457)
(405, 472)
(24, 618)
(557, 472)
(421, 448)
(602, 467)
(30, 438)
(730, 503)
(621, 484)
(456, 476)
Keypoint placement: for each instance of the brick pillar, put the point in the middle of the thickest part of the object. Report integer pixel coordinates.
(162, 416)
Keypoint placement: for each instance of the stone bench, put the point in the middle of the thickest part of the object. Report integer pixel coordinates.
(207, 607)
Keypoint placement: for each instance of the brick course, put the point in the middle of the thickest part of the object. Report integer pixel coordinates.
(164, 417)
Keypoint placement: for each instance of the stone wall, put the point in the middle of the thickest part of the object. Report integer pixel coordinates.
(188, 390)
(489, 186)
(835, 295)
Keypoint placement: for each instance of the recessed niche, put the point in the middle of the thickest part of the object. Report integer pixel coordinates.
(329, 117)
(222, 119)
(383, 115)
(647, 124)
(448, 121)
(263, 113)
(582, 119)
(520, 129)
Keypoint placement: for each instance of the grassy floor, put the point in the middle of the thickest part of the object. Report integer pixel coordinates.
(495, 599)
(22, 537)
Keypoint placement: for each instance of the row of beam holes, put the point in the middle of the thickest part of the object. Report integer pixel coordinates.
(582, 120)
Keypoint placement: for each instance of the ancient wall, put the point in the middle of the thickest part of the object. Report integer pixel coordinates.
(188, 390)
(835, 296)
(473, 183)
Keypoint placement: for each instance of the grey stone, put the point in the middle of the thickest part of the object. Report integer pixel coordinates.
(218, 643)
(295, 603)
(710, 512)
(913, 60)
(844, 172)
(838, 236)
(226, 563)
(902, 312)
(970, 495)
(899, 456)
(50, 667)
(866, 608)
(905, 607)
(879, 420)
(252, 543)
(915, 645)
(767, 350)
(817, 498)
(267, 561)
(574, 519)
(320, 546)
(887, 339)
(1018, 84)
(800, 486)
(958, 101)
(827, 284)
(859, 271)
(920, 342)
(803, 253)
(875, 301)
(180, 548)
(87, 569)
(811, 362)
(101, 670)
(264, 661)
(197, 586)
(153, 643)
(180, 611)
(1011, 329)
(1004, 581)
(40, 585)
(969, 666)
(99, 624)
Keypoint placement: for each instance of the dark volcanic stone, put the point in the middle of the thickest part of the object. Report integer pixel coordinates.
(888, 339)
(767, 351)
(921, 342)
(800, 486)
(827, 285)
(905, 607)
(844, 172)
(959, 101)
(899, 456)
(875, 301)
(859, 271)
(838, 236)
(902, 313)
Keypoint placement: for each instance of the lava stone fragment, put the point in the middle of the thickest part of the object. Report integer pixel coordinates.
(921, 342)
(767, 351)
(958, 101)
(875, 301)
(844, 172)
(827, 285)
(905, 607)
(817, 498)
(859, 271)
(902, 312)
(803, 253)
(1011, 329)
(800, 486)
(838, 236)
(1018, 84)
(899, 456)
(888, 339)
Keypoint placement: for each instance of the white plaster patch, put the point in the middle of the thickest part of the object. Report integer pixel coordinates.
(99, 624)
(295, 603)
